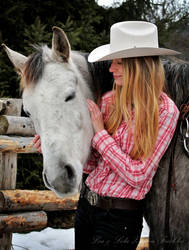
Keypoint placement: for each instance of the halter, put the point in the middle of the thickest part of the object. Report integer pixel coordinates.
(184, 126)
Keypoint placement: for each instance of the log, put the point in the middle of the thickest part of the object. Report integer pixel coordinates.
(23, 222)
(35, 200)
(16, 125)
(2, 106)
(16, 144)
(11, 106)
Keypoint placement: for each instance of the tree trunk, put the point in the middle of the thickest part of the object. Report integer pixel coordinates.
(34, 200)
(16, 125)
(23, 222)
(17, 144)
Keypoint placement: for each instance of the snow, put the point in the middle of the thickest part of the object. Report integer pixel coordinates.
(51, 239)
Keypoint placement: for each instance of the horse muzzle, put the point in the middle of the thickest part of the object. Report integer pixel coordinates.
(62, 184)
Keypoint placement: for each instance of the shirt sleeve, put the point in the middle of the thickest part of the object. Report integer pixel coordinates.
(92, 161)
(136, 172)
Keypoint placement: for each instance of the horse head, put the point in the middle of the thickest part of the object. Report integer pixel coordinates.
(54, 95)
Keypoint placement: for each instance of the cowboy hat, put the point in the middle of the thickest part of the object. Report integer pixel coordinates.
(130, 39)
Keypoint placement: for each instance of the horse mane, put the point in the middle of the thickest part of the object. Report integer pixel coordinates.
(33, 68)
(177, 81)
(101, 77)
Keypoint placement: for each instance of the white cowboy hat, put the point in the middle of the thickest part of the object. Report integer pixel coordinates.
(130, 39)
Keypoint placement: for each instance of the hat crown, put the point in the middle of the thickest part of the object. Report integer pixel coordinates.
(133, 34)
(130, 39)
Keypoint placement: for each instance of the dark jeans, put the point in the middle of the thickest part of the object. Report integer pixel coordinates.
(98, 229)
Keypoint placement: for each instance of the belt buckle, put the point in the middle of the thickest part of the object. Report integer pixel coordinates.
(92, 198)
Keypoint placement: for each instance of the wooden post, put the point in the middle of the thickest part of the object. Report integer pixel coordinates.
(8, 164)
(8, 170)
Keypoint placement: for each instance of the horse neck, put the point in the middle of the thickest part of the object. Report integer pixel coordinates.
(177, 81)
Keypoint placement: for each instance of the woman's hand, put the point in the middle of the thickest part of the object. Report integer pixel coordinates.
(37, 143)
(96, 116)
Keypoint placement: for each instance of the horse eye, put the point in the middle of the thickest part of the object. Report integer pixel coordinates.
(70, 97)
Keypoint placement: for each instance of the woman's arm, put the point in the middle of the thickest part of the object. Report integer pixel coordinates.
(92, 161)
(136, 172)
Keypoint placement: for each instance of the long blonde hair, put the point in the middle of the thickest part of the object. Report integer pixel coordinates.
(143, 82)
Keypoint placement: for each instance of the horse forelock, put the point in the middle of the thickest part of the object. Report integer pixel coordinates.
(33, 68)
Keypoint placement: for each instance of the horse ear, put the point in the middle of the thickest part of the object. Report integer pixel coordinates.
(16, 58)
(60, 43)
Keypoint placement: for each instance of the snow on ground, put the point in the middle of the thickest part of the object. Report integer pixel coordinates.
(51, 239)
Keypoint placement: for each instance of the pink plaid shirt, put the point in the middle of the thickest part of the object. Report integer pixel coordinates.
(111, 170)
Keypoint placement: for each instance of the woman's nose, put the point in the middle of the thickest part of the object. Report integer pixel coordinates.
(112, 67)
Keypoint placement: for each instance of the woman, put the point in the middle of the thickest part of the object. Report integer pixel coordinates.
(133, 128)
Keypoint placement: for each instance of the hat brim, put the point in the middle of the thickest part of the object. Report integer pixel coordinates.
(104, 52)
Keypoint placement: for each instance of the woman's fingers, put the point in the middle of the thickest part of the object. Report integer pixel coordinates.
(93, 108)
(36, 138)
(96, 116)
(37, 143)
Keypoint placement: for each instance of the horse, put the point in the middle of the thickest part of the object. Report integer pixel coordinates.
(56, 83)
(177, 86)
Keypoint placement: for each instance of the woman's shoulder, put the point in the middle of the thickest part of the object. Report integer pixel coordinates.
(167, 103)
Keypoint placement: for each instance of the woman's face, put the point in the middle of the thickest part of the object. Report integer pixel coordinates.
(117, 69)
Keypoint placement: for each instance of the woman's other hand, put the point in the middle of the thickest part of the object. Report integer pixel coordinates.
(37, 143)
(96, 116)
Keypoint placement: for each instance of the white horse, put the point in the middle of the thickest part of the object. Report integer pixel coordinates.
(56, 83)
(54, 95)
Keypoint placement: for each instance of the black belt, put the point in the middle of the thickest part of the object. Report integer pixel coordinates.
(108, 203)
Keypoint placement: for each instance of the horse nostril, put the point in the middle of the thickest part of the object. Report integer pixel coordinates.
(69, 171)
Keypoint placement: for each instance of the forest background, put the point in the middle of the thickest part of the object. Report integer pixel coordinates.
(25, 22)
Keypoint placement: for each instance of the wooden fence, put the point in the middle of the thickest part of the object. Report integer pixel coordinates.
(23, 210)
